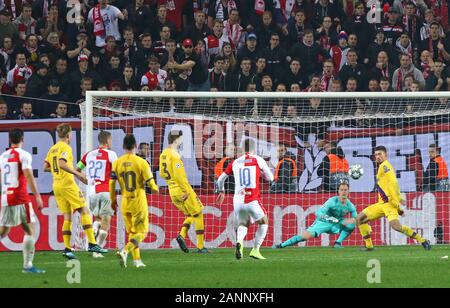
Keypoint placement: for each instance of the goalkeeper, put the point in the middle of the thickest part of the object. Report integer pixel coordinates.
(330, 218)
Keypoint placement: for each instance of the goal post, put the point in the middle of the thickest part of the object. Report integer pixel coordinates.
(298, 134)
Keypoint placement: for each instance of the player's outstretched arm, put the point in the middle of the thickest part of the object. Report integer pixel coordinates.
(62, 164)
(33, 186)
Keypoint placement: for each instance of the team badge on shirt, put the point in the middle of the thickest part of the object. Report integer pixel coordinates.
(386, 169)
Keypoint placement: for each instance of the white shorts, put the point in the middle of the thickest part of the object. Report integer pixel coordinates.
(13, 216)
(100, 205)
(249, 212)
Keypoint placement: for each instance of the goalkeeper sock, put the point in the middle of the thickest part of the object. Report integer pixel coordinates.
(345, 233)
(28, 251)
(86, 222)
(186, 225)
(241, 233)
(365, 231)
(260, 235)
(292, 241)
(101, 238)
(133, 242)
(200, 231)
(67, 233)
(410, 233)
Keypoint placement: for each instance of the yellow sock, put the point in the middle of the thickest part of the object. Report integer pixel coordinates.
(86, 222)
(410, 233)
(133, 241)
(186, 225)
(67, 233)
(200, 230)
(136, 253)
(365, 231)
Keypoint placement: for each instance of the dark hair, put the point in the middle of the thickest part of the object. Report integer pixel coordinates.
(381, 148)
(219, 58)
(174, 135)
(344, 182)
(103, 137)
(142, 144)
(249, 145)
(15, 136)
(129, 142)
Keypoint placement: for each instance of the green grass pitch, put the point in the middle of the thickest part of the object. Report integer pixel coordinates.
(405, 266)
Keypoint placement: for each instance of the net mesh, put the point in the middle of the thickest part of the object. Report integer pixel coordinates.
(296, 136)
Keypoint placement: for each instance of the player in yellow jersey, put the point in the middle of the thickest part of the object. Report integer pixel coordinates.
(134, 176)
(389, 200)
(59, 162)
(171, 169)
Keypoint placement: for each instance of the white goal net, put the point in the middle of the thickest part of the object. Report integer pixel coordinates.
(308, 139)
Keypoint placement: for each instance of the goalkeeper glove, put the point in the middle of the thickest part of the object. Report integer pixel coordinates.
(329, 219)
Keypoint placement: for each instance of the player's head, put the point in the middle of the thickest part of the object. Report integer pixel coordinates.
(105, 139)
(176, 138)
(15, 136)
(144, 149)
(129, 142)
(343, 190)
(249, 146)
(434, 150)
(64, 131)
(380, 154)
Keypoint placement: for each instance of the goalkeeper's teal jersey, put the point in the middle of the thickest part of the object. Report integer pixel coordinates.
(334, 208)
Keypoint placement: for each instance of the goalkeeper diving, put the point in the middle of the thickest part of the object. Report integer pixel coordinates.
(330, 219)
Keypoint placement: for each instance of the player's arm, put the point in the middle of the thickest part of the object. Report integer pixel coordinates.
(81, 165)
(28, 172)
(47, 167)
(62, 164)
(221, 183)
(149, 180)
(180, 176)
(322, 213)
(112, 187)
(268, 175)
(393, 188)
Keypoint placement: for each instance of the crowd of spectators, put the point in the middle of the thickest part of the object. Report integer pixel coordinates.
(56, 50)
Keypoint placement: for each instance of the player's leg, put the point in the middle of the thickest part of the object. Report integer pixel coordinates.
(105, 212)
(176, 197)
(127, 219)
(392, 216)
(139, 231)
(344, 231)
(28, 220)
(316, 229)
(86, 222)
(195, 206)
(368, 214)
(243, 221)
(259, 216)
(65, 209)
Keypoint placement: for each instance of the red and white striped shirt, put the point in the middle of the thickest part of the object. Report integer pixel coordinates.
(14, 183)
(18, 74)
(247, 173)
(99, 164)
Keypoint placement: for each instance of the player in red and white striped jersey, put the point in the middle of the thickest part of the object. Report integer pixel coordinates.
(247, 197)
(15, 208)
(98, 165)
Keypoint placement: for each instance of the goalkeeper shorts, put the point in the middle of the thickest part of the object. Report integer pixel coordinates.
(319, 227)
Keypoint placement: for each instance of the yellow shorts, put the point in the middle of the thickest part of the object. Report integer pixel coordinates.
(190, 207)
(69, 199)
(135, 215)
(380, 209)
